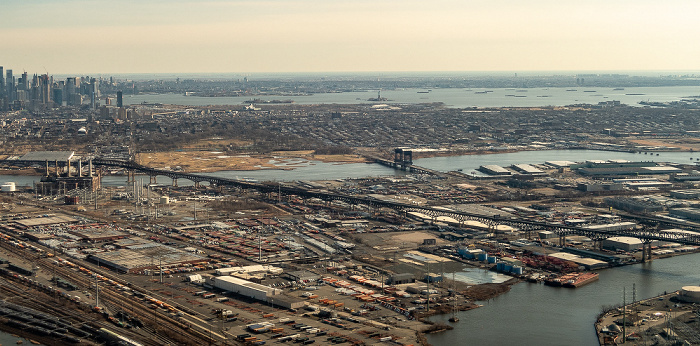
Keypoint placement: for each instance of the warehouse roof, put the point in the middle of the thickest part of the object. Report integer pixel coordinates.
(47, 156)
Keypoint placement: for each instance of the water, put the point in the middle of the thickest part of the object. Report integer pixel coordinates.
(316, 170)
(477, 276)
(452, 97)
(535, 314)
(469, 163)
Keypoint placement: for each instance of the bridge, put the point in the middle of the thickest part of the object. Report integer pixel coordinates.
(403, 160)
(647, 235)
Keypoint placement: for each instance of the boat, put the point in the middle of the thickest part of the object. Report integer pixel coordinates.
(570, 89)
(453, 319)
(571, 280)
(423, 92)
(619, 89)
(581, 279)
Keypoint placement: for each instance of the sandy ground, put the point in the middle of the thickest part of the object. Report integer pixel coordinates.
(415, 237)
(685, 144)
(212, 161)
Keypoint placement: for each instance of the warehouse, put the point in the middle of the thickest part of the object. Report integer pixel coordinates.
(687, 213)
(136, 260)
(628, 244)
(494, 170)
(244, 288)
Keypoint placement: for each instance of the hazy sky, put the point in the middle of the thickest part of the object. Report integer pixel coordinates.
(171, 36)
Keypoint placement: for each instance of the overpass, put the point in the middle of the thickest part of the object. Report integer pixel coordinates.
(645, 234)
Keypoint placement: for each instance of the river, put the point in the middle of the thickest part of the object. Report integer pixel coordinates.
(536, 314)
(452, 97)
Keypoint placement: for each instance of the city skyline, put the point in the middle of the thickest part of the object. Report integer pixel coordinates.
(77, 36)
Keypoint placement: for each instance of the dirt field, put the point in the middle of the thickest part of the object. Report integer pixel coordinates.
(415, 237)
(212, 161)
(685, 144)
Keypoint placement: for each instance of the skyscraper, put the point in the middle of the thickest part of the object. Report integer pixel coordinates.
(10, 87)
(2, 82)
(70, 91)
(2, 88)
(120, 99)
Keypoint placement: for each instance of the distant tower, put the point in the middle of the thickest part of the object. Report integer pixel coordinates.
(2, 82)
(120, 99)
(10, 86)
(69, 94)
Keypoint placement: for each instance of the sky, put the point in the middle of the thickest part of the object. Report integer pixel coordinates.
(247, 36)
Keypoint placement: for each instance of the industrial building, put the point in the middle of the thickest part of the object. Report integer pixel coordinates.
(244, 288)
(624, 168)
(403, 278)
(253, 272)
(494, 170)
(610, 227)
(588, 263)
(685, 194)
(687, 213)
(596, 187)
(524, 168)
(633, 205)
(628, 244)
(64, 177)
(301, 275)
(138, 259)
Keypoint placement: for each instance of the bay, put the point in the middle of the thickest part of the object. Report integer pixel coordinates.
(451, 97)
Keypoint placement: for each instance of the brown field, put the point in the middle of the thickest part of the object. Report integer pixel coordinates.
(685, 144)
(212, 161)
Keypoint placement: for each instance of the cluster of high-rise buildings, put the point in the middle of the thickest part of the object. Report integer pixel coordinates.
(19, 92)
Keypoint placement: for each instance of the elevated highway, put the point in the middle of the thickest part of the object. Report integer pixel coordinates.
(645, 234)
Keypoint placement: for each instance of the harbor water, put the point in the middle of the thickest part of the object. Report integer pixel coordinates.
(536, 314)
(452, 97)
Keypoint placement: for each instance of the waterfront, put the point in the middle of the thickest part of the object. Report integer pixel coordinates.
(316, 170)
(544, 315)
(451, 97)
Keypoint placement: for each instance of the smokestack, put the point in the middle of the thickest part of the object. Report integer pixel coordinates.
(80, 167)
(90, 168)
(68, 171)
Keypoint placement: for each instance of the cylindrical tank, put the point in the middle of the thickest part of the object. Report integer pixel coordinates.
(8, 187)
(517, 270)
(690, 294)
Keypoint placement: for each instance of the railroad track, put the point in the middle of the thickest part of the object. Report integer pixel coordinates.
(156, 331)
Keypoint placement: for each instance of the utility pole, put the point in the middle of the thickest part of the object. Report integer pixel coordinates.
(624, 315)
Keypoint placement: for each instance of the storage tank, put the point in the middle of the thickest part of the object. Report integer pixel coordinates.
(483, 256)
(499, 266)
(517, 270)
(492, 259)
(507, 268)
(8, 187)
(690, 294)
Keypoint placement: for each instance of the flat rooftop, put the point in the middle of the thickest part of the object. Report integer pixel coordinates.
(47, 156)
(45, 221)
